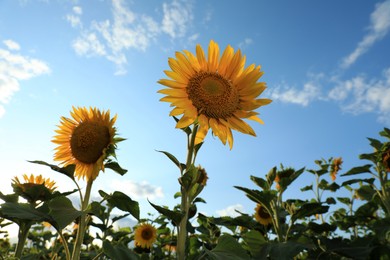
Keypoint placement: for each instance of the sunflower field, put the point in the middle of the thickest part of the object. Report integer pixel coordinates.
(213, 93)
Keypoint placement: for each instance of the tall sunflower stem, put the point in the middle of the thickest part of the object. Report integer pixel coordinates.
(185, 200)
(82, 225)
(22, 237)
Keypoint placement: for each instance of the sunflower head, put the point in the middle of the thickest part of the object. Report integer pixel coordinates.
(217, 92)
(282, 178)
(335, 167)
(34, 188)
(262, 216)
(145, 235)
(386, 160)
(202, 176)
(85, 140)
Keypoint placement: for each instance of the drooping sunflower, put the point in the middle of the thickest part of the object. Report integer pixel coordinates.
(34, 187)
(217, 93)
(262, 216)
(145, 235)
(84, 139)
(335, 167)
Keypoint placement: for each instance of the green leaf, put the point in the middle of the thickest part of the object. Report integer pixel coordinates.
(309, 209)
(198, 199)
(255, 240)
(96, 209)
(123, 202)
(67, 170)
(385, 132)
(260, 182)
(264, 197)
(344, 200)
(23, 211)
(115, 167)
(9, 197)
(62, 212)
(228, 248)
(285, 251)
(375, 143)
(365, 192)
(306, 188)
(172, 158)
(172, 215)
(320, 228)
(330, 200)
(118, 252)
(367, 210)
(349, 182)
(358, 170)
(177, 195)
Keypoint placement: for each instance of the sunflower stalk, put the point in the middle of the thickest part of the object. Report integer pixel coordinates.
(82, 225)
(24, 228)
(185, 198)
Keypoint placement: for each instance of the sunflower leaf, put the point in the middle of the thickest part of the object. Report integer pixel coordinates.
(123, 202)
(228, 248)
(118, 251)
(63, 212)
(358, 170)
(115, 167)
(67, 170)
(172, 158)
(172, 215)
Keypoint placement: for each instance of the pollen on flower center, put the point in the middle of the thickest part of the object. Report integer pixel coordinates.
(88, 141)
(213, 95)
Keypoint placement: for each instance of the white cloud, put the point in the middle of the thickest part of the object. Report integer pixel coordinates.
(15, 67)
(379, 27)
(311, 91)
(137, 190)
(12, 45)
(111, 38)
(177, 17)
(231, 210)
(245, 43)
(360, 95)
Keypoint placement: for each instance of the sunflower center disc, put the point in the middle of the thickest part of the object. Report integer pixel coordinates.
(213, 95)
(88, 141)
(263, 213)
(147, 234)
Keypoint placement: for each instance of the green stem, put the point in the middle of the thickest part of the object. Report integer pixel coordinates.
(185, 203)
(65, 244)
(82, 224)
(22, 237)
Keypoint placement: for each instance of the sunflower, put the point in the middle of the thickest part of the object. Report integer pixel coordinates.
(84, 139)
(335, 167)
(34, 187)
(145, 235)
(216, 93)
(262, 216)
(386, 160)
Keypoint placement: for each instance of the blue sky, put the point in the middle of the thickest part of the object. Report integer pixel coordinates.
(326, 64)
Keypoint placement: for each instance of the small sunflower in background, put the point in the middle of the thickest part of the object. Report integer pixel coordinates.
(217, 92)
(262, 216)
(145, 235)
(84, 140)
(34, 187)
(335, 167)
